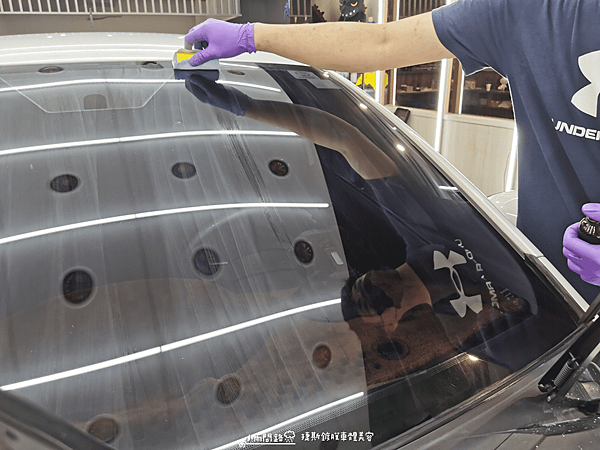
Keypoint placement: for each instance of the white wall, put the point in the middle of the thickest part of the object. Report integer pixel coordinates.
(423, 122)
(477, 146)
(480, 148)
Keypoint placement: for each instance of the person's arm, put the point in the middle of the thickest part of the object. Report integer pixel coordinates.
(342, 46)
(318, 126)
(355, 46)
(329, 131)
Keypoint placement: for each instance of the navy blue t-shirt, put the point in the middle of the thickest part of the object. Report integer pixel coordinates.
(550, 52)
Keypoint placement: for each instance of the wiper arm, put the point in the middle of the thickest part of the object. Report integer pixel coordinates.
(570, 367)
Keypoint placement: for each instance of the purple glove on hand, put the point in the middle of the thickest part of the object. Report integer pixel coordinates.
(224, 40)
(583, 258)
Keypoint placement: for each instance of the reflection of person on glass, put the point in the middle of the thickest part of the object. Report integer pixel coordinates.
(384, 295)
(435, 275)
(313, 124)
(370, 240)
(385, 283)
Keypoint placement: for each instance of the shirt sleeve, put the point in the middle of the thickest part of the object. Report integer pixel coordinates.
(479, 33)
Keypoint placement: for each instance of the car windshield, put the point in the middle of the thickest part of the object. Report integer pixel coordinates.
(254, 255)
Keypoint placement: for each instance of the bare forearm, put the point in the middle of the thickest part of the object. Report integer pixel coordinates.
(353, 46)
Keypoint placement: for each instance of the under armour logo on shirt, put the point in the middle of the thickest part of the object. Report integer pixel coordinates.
(463, 301)
(586, 99)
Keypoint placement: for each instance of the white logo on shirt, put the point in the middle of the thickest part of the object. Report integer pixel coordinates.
(460, 304)
(586, 99)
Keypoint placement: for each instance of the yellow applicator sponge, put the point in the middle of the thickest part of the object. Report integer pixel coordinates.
(182, 56)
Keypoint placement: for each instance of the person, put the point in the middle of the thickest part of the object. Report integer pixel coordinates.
(549, 50)
(317, 126)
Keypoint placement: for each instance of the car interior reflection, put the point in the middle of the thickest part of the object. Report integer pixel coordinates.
(148, 214)
(167, 347)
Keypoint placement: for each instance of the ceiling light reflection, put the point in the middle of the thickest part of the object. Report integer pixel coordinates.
(110, 51)
(242, 66)
(295, 419)
(30, 87)
(124, 81)
(166, 348)
(256, 86)
(65, 145)
(147, 214)
(75, 47)
(81, 370)
(250, 323)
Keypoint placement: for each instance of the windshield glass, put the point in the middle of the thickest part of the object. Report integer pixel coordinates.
(240, 257)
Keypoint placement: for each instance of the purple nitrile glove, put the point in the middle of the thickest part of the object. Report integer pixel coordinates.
(583, 258)
(224, 40)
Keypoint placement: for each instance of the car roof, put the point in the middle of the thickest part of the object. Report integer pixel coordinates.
(54, 48)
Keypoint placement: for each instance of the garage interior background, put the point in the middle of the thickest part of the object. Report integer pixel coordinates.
(468, 121)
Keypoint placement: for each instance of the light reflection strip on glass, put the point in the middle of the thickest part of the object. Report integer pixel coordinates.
(147, 214)
(295, 419)
(29, 87)
(167, 347)
(256, 86)
(144, 137)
